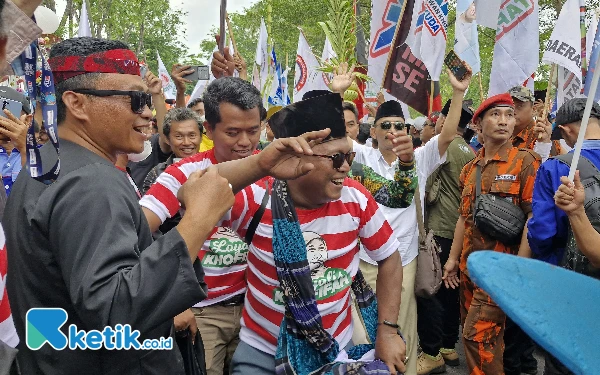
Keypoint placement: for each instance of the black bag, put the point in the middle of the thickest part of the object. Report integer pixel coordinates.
(498, 217)
(194, 361)
(573, 259)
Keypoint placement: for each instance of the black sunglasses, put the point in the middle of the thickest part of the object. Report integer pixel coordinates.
(139, 99)
(387, 125)
(338, 159)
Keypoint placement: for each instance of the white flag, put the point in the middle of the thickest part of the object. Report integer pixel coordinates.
(466, 42)
(488, 12)
(564, 46)
(84, 22)
(327, 55)
(427, 36)
(260, 72)
(307, 77)
(564, 49)
(517, 36)
(165, 77)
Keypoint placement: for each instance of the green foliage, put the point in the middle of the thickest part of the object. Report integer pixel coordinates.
(289, 15)
(338, 29)
(146, 26)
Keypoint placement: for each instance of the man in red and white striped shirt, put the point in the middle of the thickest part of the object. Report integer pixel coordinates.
(234, 112)
(334, 213)
(8, 333)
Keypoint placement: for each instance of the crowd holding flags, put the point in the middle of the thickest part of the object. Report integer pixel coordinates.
(408, 43)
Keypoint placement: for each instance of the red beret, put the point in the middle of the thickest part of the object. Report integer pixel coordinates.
(501, 100)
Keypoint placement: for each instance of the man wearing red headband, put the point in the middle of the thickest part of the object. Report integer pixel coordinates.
(508, 173)
(81, 245)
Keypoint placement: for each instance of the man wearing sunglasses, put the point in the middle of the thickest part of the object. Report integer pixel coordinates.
(390, 120)
(329, 206)
(82, 244)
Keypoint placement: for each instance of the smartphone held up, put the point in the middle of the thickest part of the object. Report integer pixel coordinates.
(457, 66)
(201, 73)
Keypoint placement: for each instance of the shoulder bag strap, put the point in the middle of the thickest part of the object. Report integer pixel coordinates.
(477, 187)
(257, 216)
(420, 221)
(586, 168)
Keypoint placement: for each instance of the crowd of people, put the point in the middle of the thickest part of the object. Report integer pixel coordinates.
(273, 241)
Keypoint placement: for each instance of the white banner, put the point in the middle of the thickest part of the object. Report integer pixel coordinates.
(165, 78)
(517, 36)
(260, 72)
(564, 46)
(466, 42)
(427, 36)
(488, 12)
(307, 77)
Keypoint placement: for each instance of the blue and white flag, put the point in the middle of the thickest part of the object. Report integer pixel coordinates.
(466, 42)
(427, 36)
(592, 65)
(284, 87)
(277, 94)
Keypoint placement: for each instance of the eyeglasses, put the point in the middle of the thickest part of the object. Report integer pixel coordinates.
(139, 99)
(387, 125)
(339, 158)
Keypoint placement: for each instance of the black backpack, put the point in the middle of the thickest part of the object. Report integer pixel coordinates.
(573, 259)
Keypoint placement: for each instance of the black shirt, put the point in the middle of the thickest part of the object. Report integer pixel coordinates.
(83, 244)
(140, 170)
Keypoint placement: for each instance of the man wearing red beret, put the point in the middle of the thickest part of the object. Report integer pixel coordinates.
(508, 173)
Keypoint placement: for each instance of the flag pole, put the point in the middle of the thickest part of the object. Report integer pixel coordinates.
(431, 95)
(586, 119)
(231, 33)
(480, 87)
(547, 101)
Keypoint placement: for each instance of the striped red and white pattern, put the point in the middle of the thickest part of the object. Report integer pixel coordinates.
(223, 282)
(340, 224)
(8, 334)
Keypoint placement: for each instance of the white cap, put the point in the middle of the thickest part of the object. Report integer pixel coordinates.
(419, 122)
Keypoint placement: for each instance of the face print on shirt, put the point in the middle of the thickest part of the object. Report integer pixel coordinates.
(327, 282)
(316, 253)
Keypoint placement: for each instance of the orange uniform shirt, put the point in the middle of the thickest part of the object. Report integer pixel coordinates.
(527, 138)
(510, 173)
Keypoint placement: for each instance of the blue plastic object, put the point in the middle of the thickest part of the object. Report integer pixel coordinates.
(558, 308)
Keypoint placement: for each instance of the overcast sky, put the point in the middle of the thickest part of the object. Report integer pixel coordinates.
(202, 16)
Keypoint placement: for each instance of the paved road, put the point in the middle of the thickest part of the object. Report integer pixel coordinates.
(462, 368)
